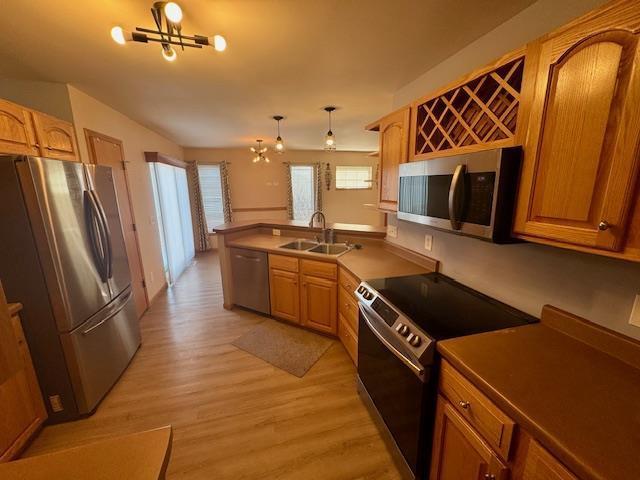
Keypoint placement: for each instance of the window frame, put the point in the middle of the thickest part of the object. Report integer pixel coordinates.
(313, 188)
(370, 182)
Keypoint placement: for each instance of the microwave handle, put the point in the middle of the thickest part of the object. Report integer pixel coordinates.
(456, 197)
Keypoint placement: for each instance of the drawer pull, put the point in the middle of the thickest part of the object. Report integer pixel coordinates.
(465, 406)
(603, 225)
(489, 476)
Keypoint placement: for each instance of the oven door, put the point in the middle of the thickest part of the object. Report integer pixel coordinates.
(398, 393)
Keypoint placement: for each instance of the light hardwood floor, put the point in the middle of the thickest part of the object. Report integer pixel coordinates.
(234, 415)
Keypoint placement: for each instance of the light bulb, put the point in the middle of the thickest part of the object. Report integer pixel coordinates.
(266, 160)
(279, 145)
(169, 54)
(173, 12)
(219, 43)
(117, 33)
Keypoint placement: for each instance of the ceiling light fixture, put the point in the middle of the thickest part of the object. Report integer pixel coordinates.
(279, 143)
(330, 138)
(167, 17)
(259, 151)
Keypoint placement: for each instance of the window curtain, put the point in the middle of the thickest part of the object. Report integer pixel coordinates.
(226, 191)
(200, 228)
(289, 191)
(317, 170)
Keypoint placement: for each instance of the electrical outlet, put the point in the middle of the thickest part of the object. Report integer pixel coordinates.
(276, 232)
(634, 319)
(428, 242)
(392, 231)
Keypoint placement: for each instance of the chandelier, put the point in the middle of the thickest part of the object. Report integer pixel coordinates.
(167, 17)
(259, 151)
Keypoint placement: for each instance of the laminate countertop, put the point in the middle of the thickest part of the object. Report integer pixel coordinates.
(354, 228)
(140, 456)
(576, 400)
(373, 260)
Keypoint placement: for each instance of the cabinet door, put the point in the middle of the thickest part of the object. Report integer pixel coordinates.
(285, 295)
(19, 392)
(581, 158)
(459, 451)
(319, 304)
(394, 140)
(16, 130)
(56, 137)
(541, 465)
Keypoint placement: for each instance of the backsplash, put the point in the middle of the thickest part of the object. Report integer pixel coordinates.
(528, 276)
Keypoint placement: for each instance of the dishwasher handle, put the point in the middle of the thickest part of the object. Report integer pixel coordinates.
(251, 259)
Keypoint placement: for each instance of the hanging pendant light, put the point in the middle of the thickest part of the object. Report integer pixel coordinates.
(279, 143)
(259, 151)
(330, 138)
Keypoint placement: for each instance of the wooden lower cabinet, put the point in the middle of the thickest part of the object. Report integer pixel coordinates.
(541, 465)
(21, 404)
(285, 295)
(458, 450)
(319, 301)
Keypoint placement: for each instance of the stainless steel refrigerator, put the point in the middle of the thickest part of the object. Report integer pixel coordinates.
(62, 255)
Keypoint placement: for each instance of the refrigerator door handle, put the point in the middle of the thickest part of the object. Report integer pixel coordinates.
(96, 235)
(107, 234)
(112, 313)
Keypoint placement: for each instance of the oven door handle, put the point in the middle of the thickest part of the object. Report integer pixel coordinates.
(456, 197)
(415, 366)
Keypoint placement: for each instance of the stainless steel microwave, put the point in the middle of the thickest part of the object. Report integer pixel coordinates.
(472, 194)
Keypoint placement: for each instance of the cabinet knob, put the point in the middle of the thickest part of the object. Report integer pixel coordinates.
(603, 225)
(464, 404)
(489, 476)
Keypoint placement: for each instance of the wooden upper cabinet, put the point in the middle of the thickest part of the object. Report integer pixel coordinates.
(319, 304)
(581, 154)
(16, 130)
(394, 144)
(56, 137)
(459, 452)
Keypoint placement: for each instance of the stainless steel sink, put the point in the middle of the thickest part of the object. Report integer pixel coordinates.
(299, 245)
(330, 248)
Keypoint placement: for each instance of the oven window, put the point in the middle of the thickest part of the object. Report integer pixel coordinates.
(438, 195)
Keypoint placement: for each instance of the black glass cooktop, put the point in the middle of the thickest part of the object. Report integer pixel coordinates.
(444, 308)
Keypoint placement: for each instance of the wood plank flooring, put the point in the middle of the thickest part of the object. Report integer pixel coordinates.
(234, 415)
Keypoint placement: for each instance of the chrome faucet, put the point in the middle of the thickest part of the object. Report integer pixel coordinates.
(328, 235)
(324, 221)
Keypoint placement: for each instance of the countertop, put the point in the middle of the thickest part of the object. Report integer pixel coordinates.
(355, 228)
(578, 401)
(140, 456)
(372, 261)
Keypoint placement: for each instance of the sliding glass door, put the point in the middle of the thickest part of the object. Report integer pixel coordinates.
(171, 193)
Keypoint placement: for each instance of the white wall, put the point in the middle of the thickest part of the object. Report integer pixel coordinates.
(264, 185)
(531, 23)
(47, 97)
(91, 114)
(524, 275)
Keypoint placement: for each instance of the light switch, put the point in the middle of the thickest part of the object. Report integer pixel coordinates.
(634, 319)
(276, 232)
(392, 231)
(428, 242)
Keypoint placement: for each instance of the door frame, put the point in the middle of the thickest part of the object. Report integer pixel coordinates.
(88, 134)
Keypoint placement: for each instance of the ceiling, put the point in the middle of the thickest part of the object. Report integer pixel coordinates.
(289, 57)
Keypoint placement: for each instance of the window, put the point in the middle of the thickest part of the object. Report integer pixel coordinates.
(211, 189)
(171, 193)
(353, 177)
(303, 189)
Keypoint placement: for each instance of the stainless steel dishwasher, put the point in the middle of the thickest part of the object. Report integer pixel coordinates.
(250, 271)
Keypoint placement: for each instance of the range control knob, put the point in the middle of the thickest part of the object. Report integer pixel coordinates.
(403, 330)
(414, 340)
(367, 294)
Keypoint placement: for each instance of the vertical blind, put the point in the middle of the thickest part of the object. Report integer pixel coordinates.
(303, 189)
(211, 188)
(171, 188)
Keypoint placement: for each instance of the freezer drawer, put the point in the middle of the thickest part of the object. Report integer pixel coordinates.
(250, 272)
(99, 350)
